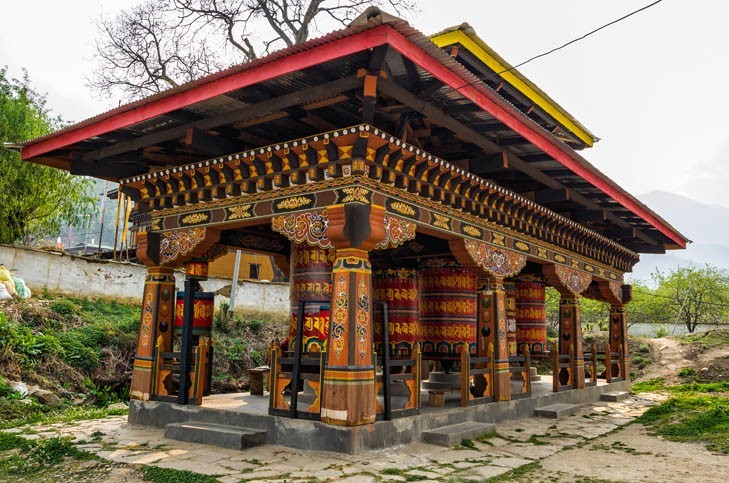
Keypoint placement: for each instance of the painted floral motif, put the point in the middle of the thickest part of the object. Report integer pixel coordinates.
(575, 280)
(239, 212)
(363, 317)
(310, 227)
(339, 315)
(195, 218)
(397, 232)
(294, 203)
(402, 208)
(179, 243)
(497, 261)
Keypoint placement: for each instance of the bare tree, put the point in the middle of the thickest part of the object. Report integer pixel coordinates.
(160, 44)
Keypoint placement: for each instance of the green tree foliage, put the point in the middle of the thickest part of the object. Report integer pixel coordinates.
(687, 295)
(694, 295)
(34, 200)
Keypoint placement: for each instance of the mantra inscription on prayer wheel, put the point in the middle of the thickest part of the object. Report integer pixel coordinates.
(448, 311)
(311, 280)
(510, 299)
(398, 288)
(203, 308)
(531, 316)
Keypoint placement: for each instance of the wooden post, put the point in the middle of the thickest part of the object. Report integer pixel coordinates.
(608, 364)
(594, 363)
(619, 340)
(502, 376)
(156, 320)
(527, 369)
(555, 369)
(570, 337)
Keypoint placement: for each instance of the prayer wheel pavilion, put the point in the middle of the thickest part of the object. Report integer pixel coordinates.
(419, 193)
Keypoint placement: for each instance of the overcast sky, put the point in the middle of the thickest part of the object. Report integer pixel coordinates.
(654, 87)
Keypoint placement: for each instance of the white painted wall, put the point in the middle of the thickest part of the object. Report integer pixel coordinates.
(79, 276)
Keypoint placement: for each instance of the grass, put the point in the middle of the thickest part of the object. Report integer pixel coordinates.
(695, 413)
(168, 475)
(38, 414)
(519, 472)
(706, 340)
(22, 458)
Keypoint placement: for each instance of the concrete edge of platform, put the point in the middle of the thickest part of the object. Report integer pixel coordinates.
(314, 435)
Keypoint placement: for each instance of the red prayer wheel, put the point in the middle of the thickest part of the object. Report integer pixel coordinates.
(399, 289)
(531, 316)
(448, 311)
(510, 291)
(311, 280)
(204, 307)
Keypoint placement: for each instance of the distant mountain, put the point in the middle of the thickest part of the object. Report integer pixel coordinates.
(706, 225)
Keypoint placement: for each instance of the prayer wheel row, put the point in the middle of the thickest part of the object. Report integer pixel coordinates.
(435, 306)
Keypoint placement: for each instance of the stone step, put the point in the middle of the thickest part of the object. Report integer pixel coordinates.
(454, 434)
(614, 396)
(453, 378)
(557, 411)
(233, 437)
(440, 386)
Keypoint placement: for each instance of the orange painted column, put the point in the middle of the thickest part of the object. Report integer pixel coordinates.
(348, 393)
(156, 320)
(502, 384)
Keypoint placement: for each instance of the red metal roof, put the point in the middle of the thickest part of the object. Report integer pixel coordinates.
(361, 35)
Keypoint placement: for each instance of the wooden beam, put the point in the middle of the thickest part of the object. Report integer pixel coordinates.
(469, 135)
(210, 145)
(249, 112)
(588, 215)
(644, 248)
(620, 233)
(551, 196)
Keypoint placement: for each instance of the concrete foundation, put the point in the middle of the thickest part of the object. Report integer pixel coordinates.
(243, 410)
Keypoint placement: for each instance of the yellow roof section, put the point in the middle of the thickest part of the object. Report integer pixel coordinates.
(466, 36)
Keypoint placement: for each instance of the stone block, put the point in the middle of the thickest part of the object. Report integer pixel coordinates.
(454, 434)
(233, 437)
(614, 396)
(557, 411)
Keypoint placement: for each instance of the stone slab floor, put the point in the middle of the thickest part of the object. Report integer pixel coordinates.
(515, 444)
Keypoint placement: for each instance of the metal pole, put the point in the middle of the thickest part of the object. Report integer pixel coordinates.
(103, 212)
(298, 340)
(234, 285)
(186, 346)
(386, 363)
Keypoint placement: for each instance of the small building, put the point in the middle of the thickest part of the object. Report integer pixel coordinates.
(418, 192)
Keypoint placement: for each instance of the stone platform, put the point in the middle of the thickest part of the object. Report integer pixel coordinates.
(247, 411)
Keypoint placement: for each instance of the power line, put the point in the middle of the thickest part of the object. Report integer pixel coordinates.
(544, 54)
(577, 39)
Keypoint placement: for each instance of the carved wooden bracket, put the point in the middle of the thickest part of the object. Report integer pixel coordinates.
(567, 281)
(397, 232)
(173, 248)
(309, 227)
(497, 262)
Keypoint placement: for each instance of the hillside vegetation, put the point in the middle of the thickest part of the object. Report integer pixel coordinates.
(82, 351)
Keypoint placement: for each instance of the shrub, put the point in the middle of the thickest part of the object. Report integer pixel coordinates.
(687, 372)
(65, 307)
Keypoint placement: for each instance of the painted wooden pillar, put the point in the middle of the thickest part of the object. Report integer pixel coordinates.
(156, 320)
(570, 336)
(348, 393)
(619, 338)
(502, 386)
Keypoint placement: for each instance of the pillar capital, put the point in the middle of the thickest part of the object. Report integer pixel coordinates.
(173, 248)
(569, 282)
(355, 226)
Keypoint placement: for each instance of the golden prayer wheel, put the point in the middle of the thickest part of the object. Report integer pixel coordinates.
(510, 291)
(448, 311)
(311, 280)
(203, 309)
(531, 316)
(399, 289)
